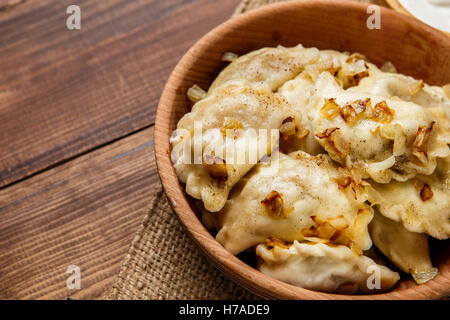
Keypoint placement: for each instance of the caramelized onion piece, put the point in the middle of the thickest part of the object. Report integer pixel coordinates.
(328, 230)
(395, 133)
(229, 56)
(216, 167)
(302, 132)
(231, 127)
(426, 193)
(287, 128)
(361, 106)
(334, 143)
(422, 138)
(349, 114)
(355, 56)
(290, 129)
(356, 70)
(343, 183)
(195, 93)
(418, 185)
(354, 79)
(288, 120)
(273, 204)
(421, 141)
(273, 242)
(326, 133)
(354, 184)
(424, 276)
(382, 113)
(330, 109)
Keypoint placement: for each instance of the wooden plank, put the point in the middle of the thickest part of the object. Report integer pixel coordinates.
(63, 92)
(84, 212)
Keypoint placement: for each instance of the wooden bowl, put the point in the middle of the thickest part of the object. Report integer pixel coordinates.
(414, 48)
(394, 4)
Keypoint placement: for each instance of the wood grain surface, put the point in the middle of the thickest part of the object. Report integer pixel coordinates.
(77, 168)
(64, 92)
(424, 53)
(84, 212)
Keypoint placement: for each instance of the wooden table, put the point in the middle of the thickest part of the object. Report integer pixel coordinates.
(77, 109)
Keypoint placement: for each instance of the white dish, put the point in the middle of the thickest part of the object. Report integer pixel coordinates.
(436, 13)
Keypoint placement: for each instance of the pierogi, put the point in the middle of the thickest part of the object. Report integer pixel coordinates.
(324, 267)
(307, 201)
(407, 250)
(228, 122)
(310, 157)
(421, 204)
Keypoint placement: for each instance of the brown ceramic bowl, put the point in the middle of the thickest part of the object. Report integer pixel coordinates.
(414, 48)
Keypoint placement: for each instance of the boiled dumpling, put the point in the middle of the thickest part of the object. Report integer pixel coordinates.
(329, 268)
(407, 250)
(219, 141)
(300, 196)
(271, 66)
(391, 85)
(421, 204)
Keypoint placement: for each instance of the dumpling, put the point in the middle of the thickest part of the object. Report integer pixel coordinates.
(391, 85)
(383, 138)
(421, 204)
(322, 267)
(407, 250)
(299, 196)
(272, 66)
(399, 86)
(220, 140)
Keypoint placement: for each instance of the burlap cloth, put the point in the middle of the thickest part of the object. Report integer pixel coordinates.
(163, 262)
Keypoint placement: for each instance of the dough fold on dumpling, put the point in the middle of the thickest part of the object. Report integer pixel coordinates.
(407, 250)
(296, 197)
(272, 66)
(227, 143)
(421, 204)
(322, 267)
